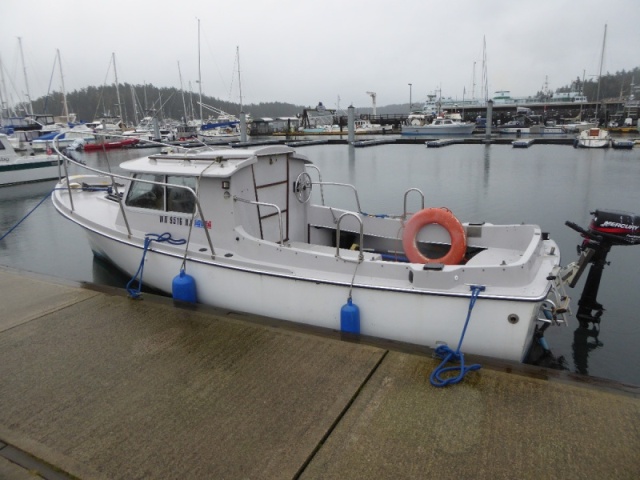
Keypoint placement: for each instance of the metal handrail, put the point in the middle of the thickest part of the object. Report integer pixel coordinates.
(341, 185)
(406, 194)
(360, 255)
(265, 204)
(113, 176)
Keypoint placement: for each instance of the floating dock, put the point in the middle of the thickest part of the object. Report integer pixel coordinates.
(442, 142)
(305, 143)
(622, 144)
(373, 142)
(96, 385)
(523, 143)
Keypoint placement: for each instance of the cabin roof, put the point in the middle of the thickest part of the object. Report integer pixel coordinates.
(218, 162)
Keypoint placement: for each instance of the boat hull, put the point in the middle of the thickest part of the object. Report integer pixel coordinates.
(36, 170)
(128, 142)
(593, 138)
(403, 315)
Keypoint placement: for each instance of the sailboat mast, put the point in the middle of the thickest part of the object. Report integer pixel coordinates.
(115, 73)
(26, 81)
(135, 104)
(199, 75)
(484, 89)
(473, 83)
(184, 105)
(604, 39)
(64, 92)
(239, 80)
(582, 92)
(4, 99)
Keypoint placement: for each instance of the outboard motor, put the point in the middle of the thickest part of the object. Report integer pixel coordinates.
(607, 229)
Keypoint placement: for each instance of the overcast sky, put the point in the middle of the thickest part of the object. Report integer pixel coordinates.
(304, 51)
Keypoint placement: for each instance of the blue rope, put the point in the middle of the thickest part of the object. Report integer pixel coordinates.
(148, 238)
(376, 215)
(444, 352)
(86, 188)
(25, 217)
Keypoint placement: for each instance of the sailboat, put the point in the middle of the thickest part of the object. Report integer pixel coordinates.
(69, 133)
(595, 137)
(225, 127)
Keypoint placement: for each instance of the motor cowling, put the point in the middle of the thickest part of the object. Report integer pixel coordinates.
(617, 227)
(607, 228)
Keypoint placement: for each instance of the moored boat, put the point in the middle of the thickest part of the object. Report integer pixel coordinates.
(64, 138)
(577, 127)
(239, 227)
(593, 138)
(110, 144)
(16, 168)
(440, 126)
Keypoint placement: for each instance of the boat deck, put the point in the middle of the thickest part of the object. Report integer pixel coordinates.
(96, 385)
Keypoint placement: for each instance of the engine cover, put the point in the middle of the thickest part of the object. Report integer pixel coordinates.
(621, 228)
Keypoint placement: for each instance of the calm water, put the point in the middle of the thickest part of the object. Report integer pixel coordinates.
(544, 184)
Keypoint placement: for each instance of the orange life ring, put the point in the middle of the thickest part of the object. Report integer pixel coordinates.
(444, 218)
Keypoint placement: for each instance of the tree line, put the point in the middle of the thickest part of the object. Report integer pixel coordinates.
(138, 101)
(133, 102)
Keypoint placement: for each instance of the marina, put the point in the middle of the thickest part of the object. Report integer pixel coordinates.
(335, 259)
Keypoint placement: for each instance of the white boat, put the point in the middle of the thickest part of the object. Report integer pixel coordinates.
(577, 127)
(219, 132)
(64, 138)
(365, 126)
(16, 168)
(593, 138)
(440, 126)
(240, 228)
(150, 129)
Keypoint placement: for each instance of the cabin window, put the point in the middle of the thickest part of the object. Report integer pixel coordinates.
(146, 195)
(179, 199)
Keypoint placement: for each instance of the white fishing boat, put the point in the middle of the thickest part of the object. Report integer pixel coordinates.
(593, 138)
(237, 229)
(440, 126)
(16, 168)
(578, 126)
(366, 127)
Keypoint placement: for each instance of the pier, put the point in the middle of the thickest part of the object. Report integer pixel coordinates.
(505, 112)
(96, 385)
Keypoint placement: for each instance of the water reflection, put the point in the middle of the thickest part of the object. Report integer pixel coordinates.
(487, 165)
(585, 340)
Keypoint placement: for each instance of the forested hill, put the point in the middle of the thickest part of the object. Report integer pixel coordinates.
(93, 102)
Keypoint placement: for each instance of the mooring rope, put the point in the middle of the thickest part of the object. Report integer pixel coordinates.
(25, 217)
(444, 352)
(148, 238)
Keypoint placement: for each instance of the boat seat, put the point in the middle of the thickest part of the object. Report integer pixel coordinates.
(495, 256)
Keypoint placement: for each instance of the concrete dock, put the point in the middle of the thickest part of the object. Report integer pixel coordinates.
(95, 385)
